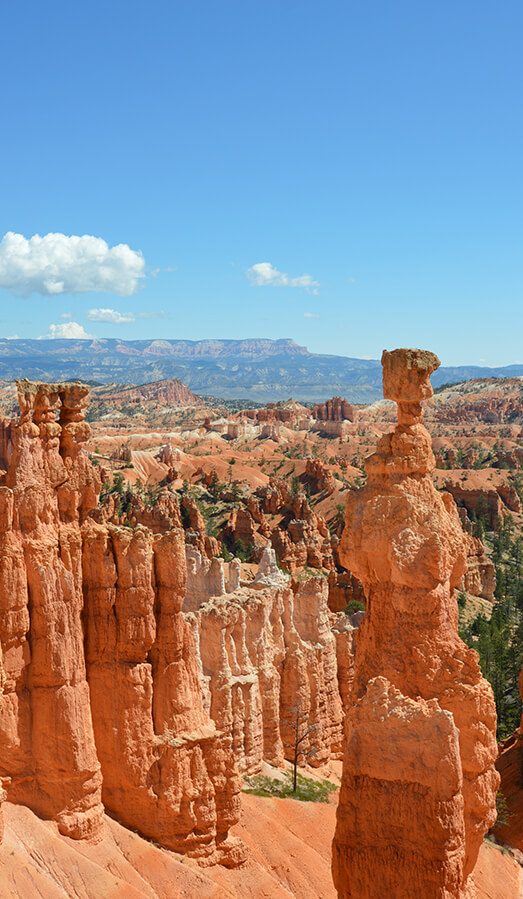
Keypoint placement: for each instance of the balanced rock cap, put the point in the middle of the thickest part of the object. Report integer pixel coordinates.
(406, 374)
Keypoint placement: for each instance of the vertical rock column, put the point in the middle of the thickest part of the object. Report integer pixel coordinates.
(309, 681)
(419, 784)
(167, 771)
(47, 753)
(269, 658)
(2, 791)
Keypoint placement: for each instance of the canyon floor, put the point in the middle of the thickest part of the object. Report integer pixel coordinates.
(289, 846)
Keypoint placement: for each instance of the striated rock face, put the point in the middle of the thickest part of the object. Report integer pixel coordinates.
(169, 393)
(268, 653)
(411, 822)
(486, 502)
(167, 771)
(136, 673)
(207, 578)
(291, 414)
(345, 631)
(403, 772)
(480, 574)
(335, 409)
(111, 597)
(48, 758)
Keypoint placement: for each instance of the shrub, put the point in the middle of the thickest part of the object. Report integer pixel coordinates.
(354, 605)
(502, 811)
(308, 790)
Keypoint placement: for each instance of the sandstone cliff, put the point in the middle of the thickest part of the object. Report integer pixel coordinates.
(167, 771)
(335, 409)
(48, 759)
(136, 717)
(170, 392)
(269, 655)
(136, 673)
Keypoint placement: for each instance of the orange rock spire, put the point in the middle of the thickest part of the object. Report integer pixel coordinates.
(48, 758)
(419, 784)
(100, 689)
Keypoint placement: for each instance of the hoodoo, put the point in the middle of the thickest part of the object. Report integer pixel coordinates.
(99, 683)
(167, 771)
(419, 783)
(48, 759)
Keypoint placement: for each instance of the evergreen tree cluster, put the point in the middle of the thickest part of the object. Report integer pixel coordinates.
(499, 641)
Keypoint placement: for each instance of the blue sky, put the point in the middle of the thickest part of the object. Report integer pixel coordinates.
(374, 147)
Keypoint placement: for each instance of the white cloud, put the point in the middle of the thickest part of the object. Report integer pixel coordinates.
(69, 329)
(55, 264)
(66, 316)
(310, 315)
(264, 274)
(111, 316)
(166, 269)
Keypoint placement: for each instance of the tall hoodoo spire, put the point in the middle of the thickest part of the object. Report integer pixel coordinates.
(419, 783)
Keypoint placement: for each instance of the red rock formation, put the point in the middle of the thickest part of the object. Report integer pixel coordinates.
(169, 455)
(207, 578)
(274, 496)
(241, 528)
(47, 753)
(319, 477)
(300, 536)
(266, 650)
(411, 822)
(335, 409)
(343, 587)
(346, 634)
(289, 856)
(303, 538)
(167, 771)
(159, 512)
(484, 501)
(489, 400)
(402, 772)
(480, 574)
(291, 413)
(196, 530)
(170, 392)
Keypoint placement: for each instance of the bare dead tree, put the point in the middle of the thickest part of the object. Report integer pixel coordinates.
(299, 730)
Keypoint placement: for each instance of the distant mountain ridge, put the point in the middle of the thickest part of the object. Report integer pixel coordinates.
(168, 393)
(258, 369)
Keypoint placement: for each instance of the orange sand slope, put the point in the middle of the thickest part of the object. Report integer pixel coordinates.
(289, 855)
